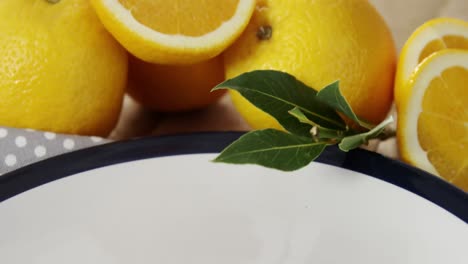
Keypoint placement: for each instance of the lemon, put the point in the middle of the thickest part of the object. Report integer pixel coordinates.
(59, 68)
(318, 42)
(434, 35)
(176, 31)
(175, 88)
(433, 117)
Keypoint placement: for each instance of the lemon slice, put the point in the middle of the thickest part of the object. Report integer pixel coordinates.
(434, 35)
(175, 31)
(433, 118)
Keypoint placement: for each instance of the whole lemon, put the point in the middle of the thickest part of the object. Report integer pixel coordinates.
(319, 42)
(60, 70)
(175, 88)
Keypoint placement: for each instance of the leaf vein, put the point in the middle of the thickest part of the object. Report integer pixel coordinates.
(298, 106)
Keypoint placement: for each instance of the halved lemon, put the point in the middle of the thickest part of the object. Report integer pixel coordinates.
(434, 35)
(175, 31)
(433, 118)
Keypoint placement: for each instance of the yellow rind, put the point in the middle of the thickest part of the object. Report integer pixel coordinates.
(155, 47)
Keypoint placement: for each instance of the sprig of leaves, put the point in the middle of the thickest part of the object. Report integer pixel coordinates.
(311, 121)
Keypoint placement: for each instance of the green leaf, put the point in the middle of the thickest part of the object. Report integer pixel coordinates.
(297, 113)
(277, 92)
(317, 132)
(273, 149)
(311, 117)
(354, 141)
(331, 96)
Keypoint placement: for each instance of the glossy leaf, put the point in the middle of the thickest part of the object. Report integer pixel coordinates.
(332, 97)
(273, 149)
(277, 92)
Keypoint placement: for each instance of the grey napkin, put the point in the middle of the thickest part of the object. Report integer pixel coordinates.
(21, 147)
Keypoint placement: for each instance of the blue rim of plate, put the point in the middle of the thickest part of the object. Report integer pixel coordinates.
(375, 165)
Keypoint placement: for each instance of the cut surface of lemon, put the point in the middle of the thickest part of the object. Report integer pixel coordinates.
(434, 35)
(433, 119)
(176, 31)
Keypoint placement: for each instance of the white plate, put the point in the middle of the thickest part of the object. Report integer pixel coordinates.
(187, 210)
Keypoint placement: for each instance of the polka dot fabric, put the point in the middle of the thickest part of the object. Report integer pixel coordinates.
(21, 147)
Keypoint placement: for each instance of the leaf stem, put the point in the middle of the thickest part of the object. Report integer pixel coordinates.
(319, 133)
(388, 133)
(366, 125)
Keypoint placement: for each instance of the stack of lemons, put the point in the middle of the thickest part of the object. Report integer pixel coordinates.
(431, 95)
(61, 70)
(65, 65)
